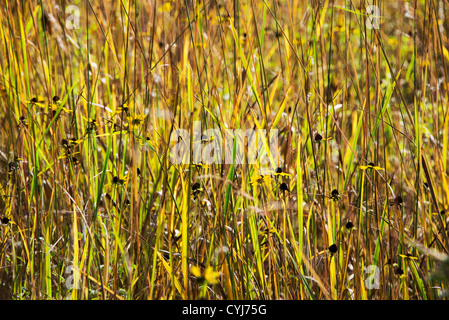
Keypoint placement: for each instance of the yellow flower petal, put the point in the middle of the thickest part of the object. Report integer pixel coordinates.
(196, 271)
(371, 167)
(408, 256)
(211, 276)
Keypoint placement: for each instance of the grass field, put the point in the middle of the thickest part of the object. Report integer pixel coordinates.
(353, 203)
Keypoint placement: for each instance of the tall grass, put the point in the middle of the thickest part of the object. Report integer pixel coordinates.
(93, 208)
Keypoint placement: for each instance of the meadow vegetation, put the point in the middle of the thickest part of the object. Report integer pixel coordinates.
(92, 207)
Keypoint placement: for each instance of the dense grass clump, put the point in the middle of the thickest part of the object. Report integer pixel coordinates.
(352, 204)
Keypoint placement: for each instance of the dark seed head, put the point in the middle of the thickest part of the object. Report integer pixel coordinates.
(196, 186)
(12, 166)
(371, 164)
(333, 248)
(279, 170)
(5, 220)
(335, 193)
(318, 137)
(55, 99)
(115, 180)
(398, 200)
(283, 187)
(349, 225)
(443, 212)
(64, 142)
(34, 100)
(398, 271)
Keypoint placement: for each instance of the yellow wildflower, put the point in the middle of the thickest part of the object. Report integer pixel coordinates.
(210, 276)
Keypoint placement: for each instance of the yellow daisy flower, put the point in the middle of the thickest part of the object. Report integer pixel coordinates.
(371, 166)
(136, 121)
(124, 108)
(260, 179)
(210, 276)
